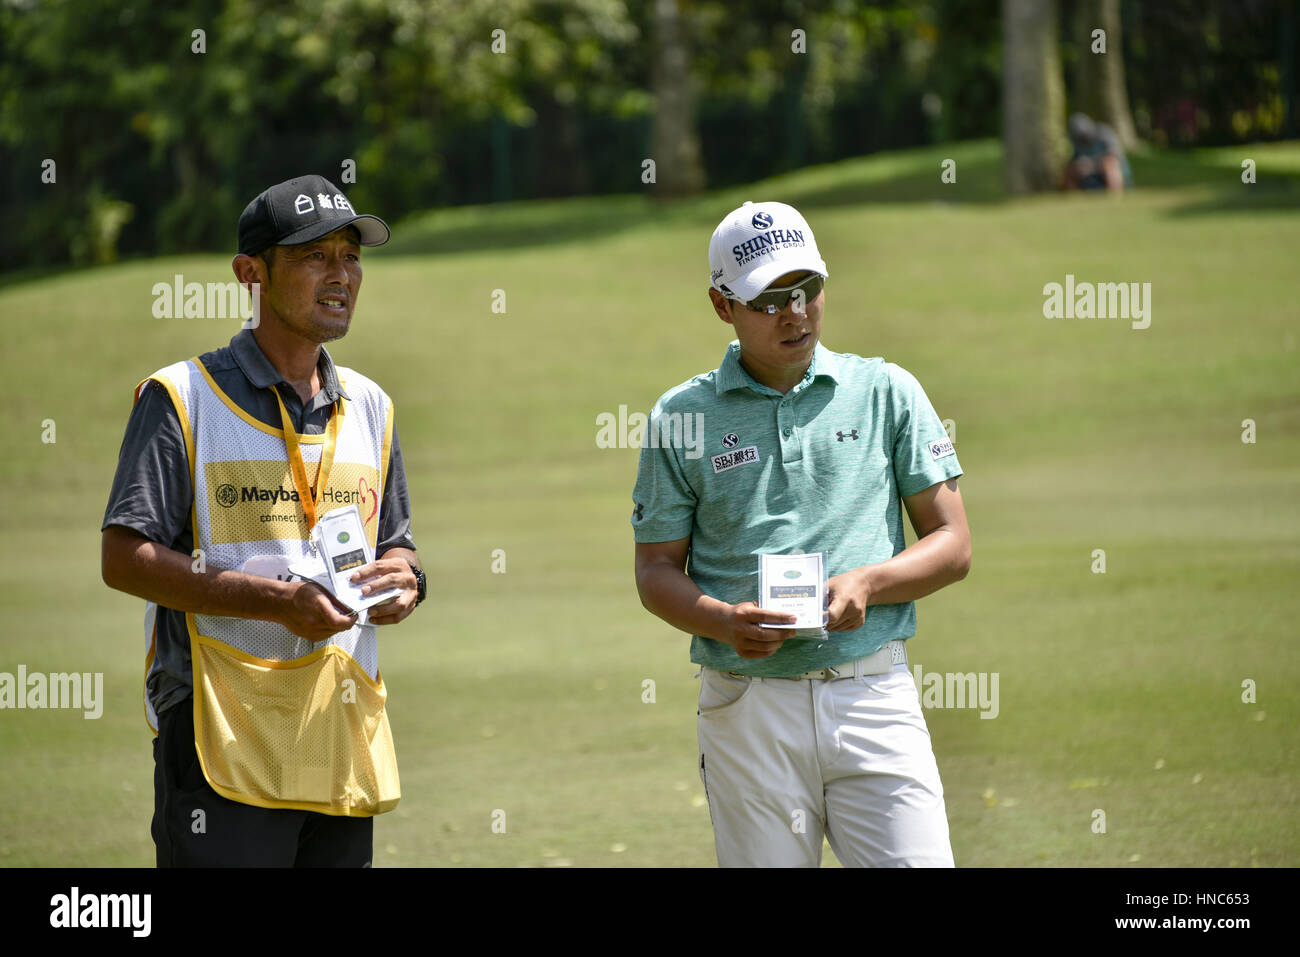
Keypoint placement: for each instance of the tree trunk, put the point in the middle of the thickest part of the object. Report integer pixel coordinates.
(1033, 97)
(1102, 94)
(675, 146)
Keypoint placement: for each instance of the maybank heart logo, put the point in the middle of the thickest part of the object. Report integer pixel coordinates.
(761, 221)
(364, 489)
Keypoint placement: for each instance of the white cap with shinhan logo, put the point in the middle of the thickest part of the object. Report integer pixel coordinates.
(757, 243)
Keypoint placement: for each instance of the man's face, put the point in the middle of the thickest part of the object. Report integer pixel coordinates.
(312, 288)
(786, 339)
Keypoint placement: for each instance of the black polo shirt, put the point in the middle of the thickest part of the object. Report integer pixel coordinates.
(152, 491)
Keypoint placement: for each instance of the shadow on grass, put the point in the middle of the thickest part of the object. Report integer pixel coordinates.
(1212, 179)
(884, 179)
(978, 181)
(912, 176)
(517, 225)
(1273, 197)
(1276, 189)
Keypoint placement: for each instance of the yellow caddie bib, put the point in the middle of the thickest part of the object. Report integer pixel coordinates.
(282, 722)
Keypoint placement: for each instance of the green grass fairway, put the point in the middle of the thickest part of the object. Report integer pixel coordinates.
(523, 692)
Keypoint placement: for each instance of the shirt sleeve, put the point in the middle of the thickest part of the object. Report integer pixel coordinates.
(152, 492)
(923, 454)
(395, 512)
(663, 500)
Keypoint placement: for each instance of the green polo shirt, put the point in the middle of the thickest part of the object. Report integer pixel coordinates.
(820, 469)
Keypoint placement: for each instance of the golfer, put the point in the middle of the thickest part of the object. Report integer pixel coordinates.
(805, 450)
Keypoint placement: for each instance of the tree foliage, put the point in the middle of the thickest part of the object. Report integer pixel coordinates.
(438, 102)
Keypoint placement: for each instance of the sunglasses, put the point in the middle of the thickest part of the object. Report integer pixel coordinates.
(774, 299)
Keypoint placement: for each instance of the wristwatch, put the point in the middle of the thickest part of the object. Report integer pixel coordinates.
(421, 584)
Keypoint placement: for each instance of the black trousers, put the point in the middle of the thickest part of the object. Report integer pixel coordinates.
(229, 834)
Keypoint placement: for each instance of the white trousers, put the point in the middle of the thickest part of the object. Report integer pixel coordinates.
(785, 762)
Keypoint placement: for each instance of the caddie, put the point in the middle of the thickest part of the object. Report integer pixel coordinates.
(272, 745)
(805, 451)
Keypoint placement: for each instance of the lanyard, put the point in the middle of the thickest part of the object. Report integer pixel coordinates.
(310, 501)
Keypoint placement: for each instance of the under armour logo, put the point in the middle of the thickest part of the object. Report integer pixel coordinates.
(636, 513)
(851, 433)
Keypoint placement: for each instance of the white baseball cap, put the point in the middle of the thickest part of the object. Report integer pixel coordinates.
(757, 243)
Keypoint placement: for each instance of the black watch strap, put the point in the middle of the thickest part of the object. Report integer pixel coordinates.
(421, 583)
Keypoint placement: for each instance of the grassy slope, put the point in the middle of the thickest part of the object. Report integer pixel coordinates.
(522, 691)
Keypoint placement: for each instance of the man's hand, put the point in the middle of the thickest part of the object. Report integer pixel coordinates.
(668, 592)
(314, 614)
(849, 595)
(744, 630)
(381, 575)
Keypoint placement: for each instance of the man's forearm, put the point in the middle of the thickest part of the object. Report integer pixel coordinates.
(669, 593)
(137, 566)
(930, 563)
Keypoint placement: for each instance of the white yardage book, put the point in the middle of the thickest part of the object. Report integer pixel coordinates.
(340, 540)
(796, 585)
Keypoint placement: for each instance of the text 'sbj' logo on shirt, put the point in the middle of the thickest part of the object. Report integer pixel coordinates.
(730, 460)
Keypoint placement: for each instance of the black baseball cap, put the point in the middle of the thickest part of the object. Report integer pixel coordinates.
(300, 210)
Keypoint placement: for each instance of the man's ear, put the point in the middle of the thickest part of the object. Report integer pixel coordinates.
(249, 269)
(721, 305)
(255, 276)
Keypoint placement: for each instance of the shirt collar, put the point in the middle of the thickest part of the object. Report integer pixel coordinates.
(732, 375)
(825, 363)
(253, 362)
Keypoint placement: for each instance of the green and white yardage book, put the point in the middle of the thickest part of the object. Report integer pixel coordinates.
(796, 585)
(340, 540)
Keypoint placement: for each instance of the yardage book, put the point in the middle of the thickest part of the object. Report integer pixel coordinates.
(795, 584)
(339, 539)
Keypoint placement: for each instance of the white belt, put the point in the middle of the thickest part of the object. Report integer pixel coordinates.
(891, 653)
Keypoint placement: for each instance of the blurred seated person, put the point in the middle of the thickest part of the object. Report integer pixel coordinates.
(1098, 161)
